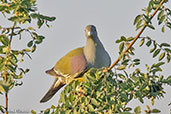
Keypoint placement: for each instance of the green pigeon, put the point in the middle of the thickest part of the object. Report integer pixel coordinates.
(78, 61)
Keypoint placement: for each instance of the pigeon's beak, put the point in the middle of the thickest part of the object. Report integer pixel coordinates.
(89, 33)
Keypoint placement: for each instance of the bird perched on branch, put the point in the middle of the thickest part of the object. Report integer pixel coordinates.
(78, 61)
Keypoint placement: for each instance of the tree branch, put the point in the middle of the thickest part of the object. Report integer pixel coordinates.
(5, 70)
(137, 36)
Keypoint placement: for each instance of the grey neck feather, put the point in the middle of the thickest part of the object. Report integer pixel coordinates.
(93, 45)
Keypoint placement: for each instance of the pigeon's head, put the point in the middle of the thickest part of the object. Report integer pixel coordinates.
(90, 31)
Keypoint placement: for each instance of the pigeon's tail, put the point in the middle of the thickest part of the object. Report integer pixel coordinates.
(58, 83)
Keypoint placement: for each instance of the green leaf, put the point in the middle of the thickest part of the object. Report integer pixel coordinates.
(123, 38)
(31, 28)
(122, 76)
(27, 70)
(137, 18)
(168, 58)
(141, 99)
(50, 18)
(47, 111)
(26, 50)
(166, 1)
(11, 68)
(33, 48)
(136, 60)
(131, 52)
(34, 15)
(90, 107)
(39, 39)
(130, 65)
(118, 41)
(156, 2)
(138, 27)
(149, 8)
(1, 109)
(150, 26)
(14, 18)
(4, 40)
(154, 48)
(152, 100)
(137, 63)
(71, 98)
(165, 45)
(122, 67)
(121, 47)
(13, 62)
(161, 19)
(4, 49)
(148, 43)
(168, 50)
(35, 35)
(147, 19)
(162, 55)
(147, 67)
(137, 110)
(139, 24)
(95, 102)
(40, 22)
(130, 39)
(33, 112)
(4, 86)
(125, 62)
(148, 108)
(169, 78)
(158, 64)
(128, 109)
(142, 42)
(163, 29)
(156, 70)
(160, 14)
(30, 43)
(155, 111)
(156, 53)
(168, 25)
(1, 67)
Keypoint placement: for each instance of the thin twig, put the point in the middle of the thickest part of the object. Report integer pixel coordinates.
(6, 103)
(138, 35)
(5, 71)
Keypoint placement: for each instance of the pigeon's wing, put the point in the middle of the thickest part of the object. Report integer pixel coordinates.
(68, 67)
(72, 64)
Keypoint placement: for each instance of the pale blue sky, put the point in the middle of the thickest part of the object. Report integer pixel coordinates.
(112, 20)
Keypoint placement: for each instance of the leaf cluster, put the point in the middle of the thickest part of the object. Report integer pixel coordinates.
(107, 93)
(19, 13)
(110, 92)
(163, 17)
(163, 49)
(127, 59)
(23, 11)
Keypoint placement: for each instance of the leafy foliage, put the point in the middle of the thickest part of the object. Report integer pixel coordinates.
(99, 92)
(107, 92)
(110, 92)
(18, 12)
(163, 17)
(163, 49)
